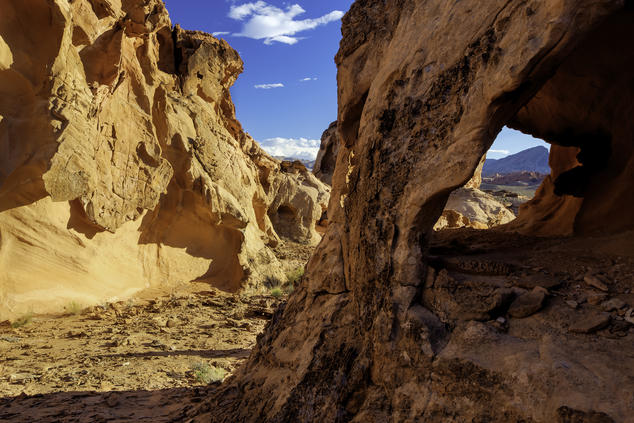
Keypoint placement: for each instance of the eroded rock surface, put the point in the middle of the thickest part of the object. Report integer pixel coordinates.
(327, 155)
(467, 206)
(472, 208)
(122, 164)
(387, 328)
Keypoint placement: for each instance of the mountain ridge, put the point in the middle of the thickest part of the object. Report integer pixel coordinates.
(533, 159)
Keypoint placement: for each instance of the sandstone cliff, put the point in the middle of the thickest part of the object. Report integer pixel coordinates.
(392, 322)
(122, 165)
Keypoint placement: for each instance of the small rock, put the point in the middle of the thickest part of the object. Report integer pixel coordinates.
(591, 323)
(21, 378)
(528, 304)
(501, 320)
(171, 323)
(596, 299)
(613, 304)
(112, 400)
(594, 282)
(580, 297)
(629, 316)
(572, 304)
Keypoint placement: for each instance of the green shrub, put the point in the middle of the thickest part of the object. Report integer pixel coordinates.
(74, 308)
(277, 292)
(23, 320)
(295, 276)
(204, 373)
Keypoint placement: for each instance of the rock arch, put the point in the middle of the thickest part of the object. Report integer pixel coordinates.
(424, 87)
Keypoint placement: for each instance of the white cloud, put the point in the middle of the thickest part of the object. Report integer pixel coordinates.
(307, 79)
(215, 34)
(269, 86)
(299, 148)
(504, 152)
(272, 24)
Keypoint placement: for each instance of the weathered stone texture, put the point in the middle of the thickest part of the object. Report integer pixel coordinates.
(376, 333)
(122, 165)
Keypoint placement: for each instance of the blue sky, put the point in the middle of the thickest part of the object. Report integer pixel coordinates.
(510, 141)
(288, 119)
(287, 95)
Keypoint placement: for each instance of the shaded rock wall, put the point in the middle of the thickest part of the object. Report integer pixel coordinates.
(583, 110)
(327, 155)
(122, 164)
(424, 88)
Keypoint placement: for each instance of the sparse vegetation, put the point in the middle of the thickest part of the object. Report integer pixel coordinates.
(293, 277)
(204, 373)
(23, 320)
(271, 282)
(277, 292)
(74, 308)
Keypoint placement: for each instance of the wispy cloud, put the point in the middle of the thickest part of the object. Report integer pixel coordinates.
(215, 34)
(307, 79)
(299, 148)
(268, 86)
(504, 152)
(263, 21)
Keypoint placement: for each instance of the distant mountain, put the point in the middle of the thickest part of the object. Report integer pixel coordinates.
(532, 160)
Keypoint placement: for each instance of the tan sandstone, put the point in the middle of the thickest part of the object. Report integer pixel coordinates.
(122, 165)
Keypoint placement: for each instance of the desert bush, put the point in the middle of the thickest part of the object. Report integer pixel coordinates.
(277, 292)
(23, 320)
(271, 282)
(74, 308)
(204, 373)
(295, 276)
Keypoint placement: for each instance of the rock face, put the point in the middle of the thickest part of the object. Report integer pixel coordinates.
(472, 208)
(122, 165)
(372, 333)
(467, 206)
(327, 155)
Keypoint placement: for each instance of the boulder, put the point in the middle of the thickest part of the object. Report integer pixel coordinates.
(477, 209)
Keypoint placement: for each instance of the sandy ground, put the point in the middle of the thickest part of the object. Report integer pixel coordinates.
(151, 358)
(142, 360)
(129, 358)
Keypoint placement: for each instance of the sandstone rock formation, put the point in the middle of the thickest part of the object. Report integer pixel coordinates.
(469, 207)
(472, 208)
(122, 164)
(383, 330)
(327, 155)
(466, 207)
